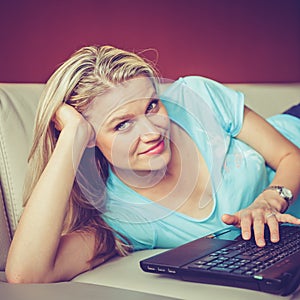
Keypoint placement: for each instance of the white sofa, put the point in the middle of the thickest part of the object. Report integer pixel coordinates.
(17, 109)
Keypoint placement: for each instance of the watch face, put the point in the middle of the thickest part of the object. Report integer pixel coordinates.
(287, 193)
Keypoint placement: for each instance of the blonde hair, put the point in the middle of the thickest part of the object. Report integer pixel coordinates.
(89, 72)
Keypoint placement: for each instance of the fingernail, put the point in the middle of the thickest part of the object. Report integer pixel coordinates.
(246, 235)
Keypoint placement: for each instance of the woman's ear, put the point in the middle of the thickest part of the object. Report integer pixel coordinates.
(92, 141)
(91, 145)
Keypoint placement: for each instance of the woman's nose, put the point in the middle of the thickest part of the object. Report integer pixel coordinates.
(148, 131)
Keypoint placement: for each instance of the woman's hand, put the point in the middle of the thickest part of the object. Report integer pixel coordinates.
(68, 116)
(267, 209)
(260, 213)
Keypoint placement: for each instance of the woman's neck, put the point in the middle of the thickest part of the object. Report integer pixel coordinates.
(140, 180)
(184, 185)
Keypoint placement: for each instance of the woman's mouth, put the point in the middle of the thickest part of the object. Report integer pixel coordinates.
(156, 149)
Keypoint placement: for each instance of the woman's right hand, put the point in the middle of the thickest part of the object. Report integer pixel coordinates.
(68, 116)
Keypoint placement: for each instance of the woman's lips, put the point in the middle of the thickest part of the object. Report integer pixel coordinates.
(157, 149)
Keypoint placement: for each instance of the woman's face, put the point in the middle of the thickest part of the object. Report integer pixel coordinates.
(132, 126)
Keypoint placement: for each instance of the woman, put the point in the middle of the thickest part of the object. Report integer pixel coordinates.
(117, 164)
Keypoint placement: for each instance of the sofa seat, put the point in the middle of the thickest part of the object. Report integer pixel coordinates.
(125, 273)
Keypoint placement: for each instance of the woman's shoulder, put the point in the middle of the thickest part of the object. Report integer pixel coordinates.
(206, 87)
(197, 80)
(192, 81)
(189, 85)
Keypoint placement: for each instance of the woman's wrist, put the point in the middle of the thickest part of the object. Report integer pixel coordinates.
(76, 139)
(275, 200)
(79, 132)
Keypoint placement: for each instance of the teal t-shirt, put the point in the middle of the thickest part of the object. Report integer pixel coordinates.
(212, 115)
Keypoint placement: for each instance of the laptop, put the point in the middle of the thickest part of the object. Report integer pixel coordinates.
(224, 258)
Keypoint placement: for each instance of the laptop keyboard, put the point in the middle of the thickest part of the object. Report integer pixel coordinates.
(246, 259)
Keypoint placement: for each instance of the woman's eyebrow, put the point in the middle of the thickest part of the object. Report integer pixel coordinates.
(128, 115)
(120, 118)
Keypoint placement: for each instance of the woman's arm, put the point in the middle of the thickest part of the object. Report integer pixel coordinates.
(282, 156)
(38, 253)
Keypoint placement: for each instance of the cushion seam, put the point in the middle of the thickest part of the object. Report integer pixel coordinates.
(9, 188)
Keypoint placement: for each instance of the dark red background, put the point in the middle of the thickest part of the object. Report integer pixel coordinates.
(227, 40)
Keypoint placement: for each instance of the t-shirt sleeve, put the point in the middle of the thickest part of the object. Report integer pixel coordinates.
(226, 104)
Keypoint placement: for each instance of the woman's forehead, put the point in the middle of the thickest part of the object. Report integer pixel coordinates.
(130, 90)
(139, 88)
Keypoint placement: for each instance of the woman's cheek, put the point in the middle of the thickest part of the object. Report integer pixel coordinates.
(123, 147)
(161, 121)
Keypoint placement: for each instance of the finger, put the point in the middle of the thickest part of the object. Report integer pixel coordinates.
(273, 225)
(246, 225)
(259, 230)
(287, 218)
(231, 219)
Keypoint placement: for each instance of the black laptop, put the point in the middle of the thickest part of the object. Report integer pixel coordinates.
(224, 258)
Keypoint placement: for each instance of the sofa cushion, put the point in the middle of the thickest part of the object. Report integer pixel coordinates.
(269, 99)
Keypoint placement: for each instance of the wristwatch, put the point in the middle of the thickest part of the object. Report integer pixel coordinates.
(284, 192)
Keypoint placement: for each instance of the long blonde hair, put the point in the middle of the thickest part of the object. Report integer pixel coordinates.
(88, 73)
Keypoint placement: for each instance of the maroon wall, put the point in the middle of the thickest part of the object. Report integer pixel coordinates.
(228, 40)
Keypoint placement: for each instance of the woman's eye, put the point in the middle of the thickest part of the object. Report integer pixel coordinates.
(152, 106)
(123, 125)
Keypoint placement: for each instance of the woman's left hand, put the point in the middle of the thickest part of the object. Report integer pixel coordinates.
(256, 216)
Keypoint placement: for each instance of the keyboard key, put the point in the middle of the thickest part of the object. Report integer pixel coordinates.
(233, 267)
(249, 273)
(233, 253)
(238, 271)
(208, 258)
(200, 267)
(211, 263)
(219, 269)
(243, 256)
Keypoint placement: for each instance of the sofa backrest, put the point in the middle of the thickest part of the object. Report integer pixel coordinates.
(18, 103)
